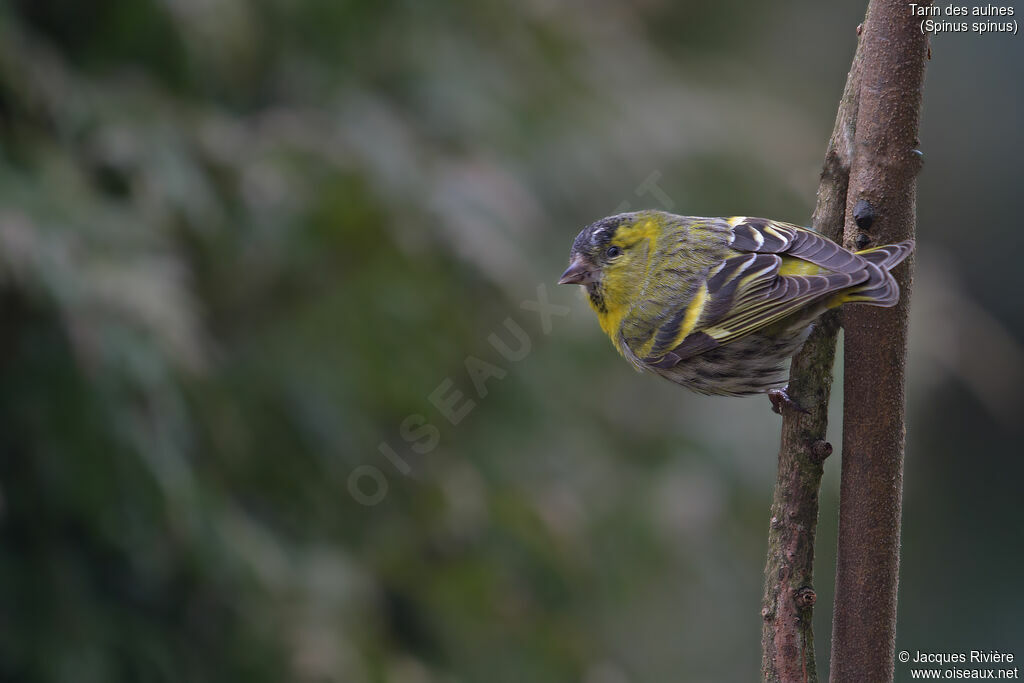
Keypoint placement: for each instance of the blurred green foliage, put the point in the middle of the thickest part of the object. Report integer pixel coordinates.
(241, 243)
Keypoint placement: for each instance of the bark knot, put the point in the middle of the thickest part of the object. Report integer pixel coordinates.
(863, 214)
(805, 597)
(820, 450)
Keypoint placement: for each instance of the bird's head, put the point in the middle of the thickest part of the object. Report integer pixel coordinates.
(608, 254)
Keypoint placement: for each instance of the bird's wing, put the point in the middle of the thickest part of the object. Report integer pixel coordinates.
(762, 236)
(747, 292)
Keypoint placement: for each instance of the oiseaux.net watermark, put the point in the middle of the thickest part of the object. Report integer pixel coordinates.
(968, 665)
(368, 484)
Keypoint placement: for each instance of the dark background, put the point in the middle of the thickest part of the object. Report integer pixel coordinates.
(242, 243)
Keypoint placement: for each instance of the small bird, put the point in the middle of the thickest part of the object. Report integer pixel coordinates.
(719, 304)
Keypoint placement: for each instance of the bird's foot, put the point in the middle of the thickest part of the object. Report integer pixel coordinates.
(780, 399)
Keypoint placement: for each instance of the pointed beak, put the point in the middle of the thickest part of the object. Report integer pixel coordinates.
(578, 272)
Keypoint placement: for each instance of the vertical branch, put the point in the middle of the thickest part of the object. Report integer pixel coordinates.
(880, 209)
(787, 641)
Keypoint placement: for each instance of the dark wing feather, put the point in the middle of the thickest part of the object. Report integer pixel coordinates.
(762, 236)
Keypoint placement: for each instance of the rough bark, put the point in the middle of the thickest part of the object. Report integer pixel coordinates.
(787, 641)
(880, 209)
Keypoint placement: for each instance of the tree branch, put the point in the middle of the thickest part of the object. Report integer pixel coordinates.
(866, 196)
(880, 209)
(787, 640)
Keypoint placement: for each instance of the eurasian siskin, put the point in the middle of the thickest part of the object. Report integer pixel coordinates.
(719, 304)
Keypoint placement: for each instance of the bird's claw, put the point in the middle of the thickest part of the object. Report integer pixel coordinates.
(780, 399)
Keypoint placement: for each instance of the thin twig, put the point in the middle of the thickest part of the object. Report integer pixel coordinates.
(787, 640)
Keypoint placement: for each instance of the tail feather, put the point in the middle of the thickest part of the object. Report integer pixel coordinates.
(880, 289)
(888, 256)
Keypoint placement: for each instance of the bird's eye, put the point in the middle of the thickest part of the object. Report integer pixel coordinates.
(613, 252)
